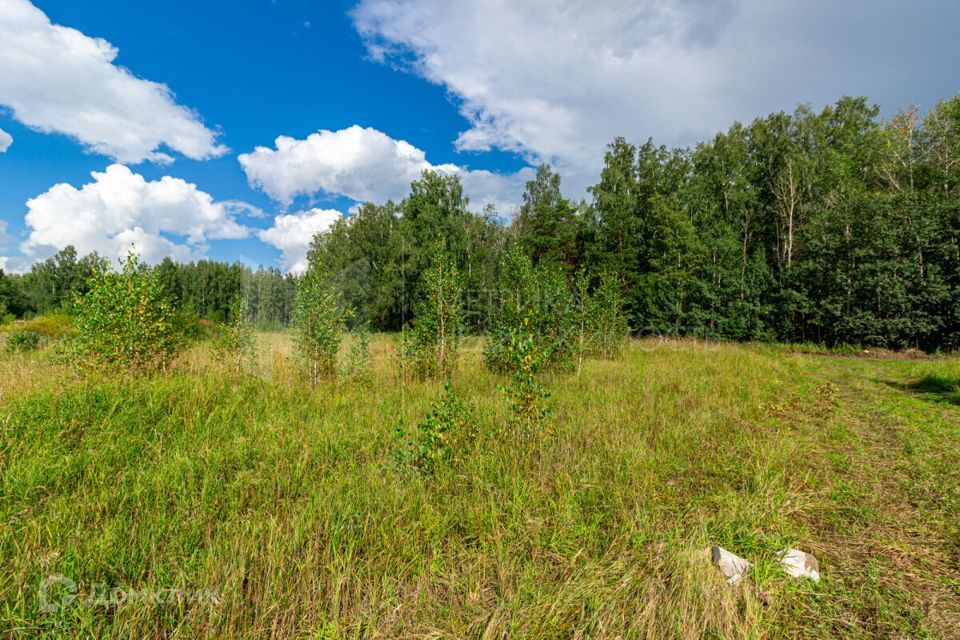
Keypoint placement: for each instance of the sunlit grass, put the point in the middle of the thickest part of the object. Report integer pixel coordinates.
(286, 503)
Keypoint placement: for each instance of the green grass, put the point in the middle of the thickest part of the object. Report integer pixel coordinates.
(287, 503)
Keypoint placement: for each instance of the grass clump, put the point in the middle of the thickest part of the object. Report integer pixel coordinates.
(22, 341)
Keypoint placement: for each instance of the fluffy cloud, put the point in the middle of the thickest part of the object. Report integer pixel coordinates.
(292, 233)
(120, 208)
(557, 81)
(56, 79)
(362, 164)
(5, 140)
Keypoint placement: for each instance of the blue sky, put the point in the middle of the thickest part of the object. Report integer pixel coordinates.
(163, 117)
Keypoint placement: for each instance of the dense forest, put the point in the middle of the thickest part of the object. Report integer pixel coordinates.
(831, 227)
(206, 288)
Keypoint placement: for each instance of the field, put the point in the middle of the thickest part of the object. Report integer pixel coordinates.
(256, 508)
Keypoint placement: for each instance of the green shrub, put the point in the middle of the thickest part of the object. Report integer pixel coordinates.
(601, 324)
(526, 395)
(23, 341)
(320, 320)
(517, 290)
(236, 345)
(442, 438)
(553, 318)
(125, 320)
(191, 327)
(206, 328)
(581, 293)
(431, 345)
(536, 306)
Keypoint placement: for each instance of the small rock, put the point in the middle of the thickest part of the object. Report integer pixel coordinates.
(800, 564)
(733, 567)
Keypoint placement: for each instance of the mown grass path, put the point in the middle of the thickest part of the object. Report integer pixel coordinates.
(287, 505)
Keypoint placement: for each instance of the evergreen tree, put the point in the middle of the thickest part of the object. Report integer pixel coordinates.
(548, 226)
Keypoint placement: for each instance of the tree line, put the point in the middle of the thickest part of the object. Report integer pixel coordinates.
(206, 288)
(833, 227)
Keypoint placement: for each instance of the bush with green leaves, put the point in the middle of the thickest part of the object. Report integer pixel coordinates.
(526, 394)
(125, 320)
(553, 317)
(517, 290)
(536, 303)
(319, 320)
(191, 326)
(235, 346)
(442, 438)
(601, 324)
(431, 345)
(22, 341)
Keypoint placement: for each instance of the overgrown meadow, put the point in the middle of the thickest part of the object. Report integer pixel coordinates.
(321, 484)
(449, 431)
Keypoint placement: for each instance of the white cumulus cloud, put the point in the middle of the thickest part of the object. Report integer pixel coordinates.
(120, 208)
(359, 163)
(56, 79)
(557, 80)
(5, 140)
(363, 164)
(292, 234)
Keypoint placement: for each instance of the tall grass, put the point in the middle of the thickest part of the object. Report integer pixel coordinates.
(285, 501)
